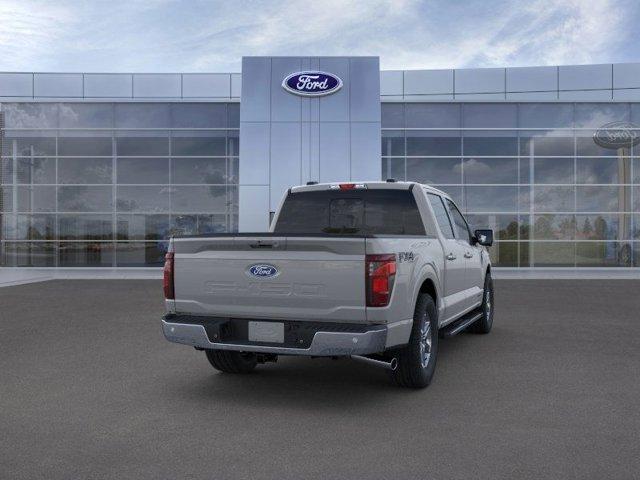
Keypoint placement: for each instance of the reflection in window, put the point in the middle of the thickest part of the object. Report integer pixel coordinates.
(142, 227)
(553, 170)
(85, 227)
(85, 199)
(36, 199)
(85, 254)
(491, 199)
(90, 146)
(142, 170)
(142, 146)
(554, 227)
(139, 198)
(505, 227)
(141, 254)
(427, 144)
(490, 170)
(85, 170)
(434, 170)
(203, 146)
(199, 170)
(554, 199)
(35, 170)
(603, 254)
(603, 170)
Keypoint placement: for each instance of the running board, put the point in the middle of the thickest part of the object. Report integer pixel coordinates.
(459, 325)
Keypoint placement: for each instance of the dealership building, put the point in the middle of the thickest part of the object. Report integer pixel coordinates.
(99, 170)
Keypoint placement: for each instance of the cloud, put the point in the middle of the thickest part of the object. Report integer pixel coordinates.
(165, 35)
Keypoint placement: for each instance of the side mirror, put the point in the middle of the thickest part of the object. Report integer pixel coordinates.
(483, 237)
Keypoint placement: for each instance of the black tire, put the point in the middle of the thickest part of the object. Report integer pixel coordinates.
(486, 322)
(411, 372)
(232, 362)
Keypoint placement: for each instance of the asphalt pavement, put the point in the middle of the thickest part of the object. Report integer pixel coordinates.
(90, 389)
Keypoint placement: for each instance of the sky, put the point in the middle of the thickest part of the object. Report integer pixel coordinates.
(212, 36)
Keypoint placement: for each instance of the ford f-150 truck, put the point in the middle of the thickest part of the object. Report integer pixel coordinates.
(375, 271)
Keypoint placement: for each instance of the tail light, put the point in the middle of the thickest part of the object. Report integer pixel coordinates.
(380, 276)
(167, 280)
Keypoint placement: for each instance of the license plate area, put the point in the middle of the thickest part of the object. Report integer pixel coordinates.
(266, 332)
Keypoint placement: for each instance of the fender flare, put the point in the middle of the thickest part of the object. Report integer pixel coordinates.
(429, 272)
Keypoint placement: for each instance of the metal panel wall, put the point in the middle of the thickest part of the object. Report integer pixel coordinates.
(289, 140)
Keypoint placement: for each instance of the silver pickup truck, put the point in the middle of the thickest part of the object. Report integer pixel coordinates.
(375, 271)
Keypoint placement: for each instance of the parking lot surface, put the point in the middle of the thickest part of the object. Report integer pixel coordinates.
(89, 388)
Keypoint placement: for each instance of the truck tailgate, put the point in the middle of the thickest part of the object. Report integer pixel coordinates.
(315, 278)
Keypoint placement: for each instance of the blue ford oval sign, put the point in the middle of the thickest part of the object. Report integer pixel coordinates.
(263, 270)
(312, 83)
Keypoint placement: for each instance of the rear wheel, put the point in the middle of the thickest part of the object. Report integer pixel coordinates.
(484, 324)
(417, 361)
(232, 362)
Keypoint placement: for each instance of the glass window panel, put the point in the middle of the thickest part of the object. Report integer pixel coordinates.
(38, 254)
(199, 199)
(6, 170)
(392, 143)
(635, 233)
(553, 170)
(85, 227)
(85, 199)
(455, 193)
(393, 168)
(392, 115)
(525, 170)
(142, 115)
(85, 170)
(211, 144)
(432, 143)
(491, 144)
(461, 229)
(232, 199)
(434, 170)
(198, 224)
(490, 115)
(504, 254)
(143, 227)
(552, 254)
(35, 227)
(90, 146)
(601, 226)
(491, 199)
(505, 227)
(441, 215)
(138, 254)
(233, 172)
(145, 146)
(37, 199)
(199, 170)
(603, 170)
(525, 226)
(554, 227)
(636, 170)
(6, 199)
(554, 199)
(233, 112)
(636, 199)
(143, 199)
(545, 115)
(233, 143)
(142, 170)
(30, 115)
(199, 115)
(36, 170)
(92, 115)
(603, 254)
(32, 146)
(85, 254)
(490, 170)
(525, 258)
(432, 115)
(585, 145)
(598, 114)
(603, 199)
(546, 144)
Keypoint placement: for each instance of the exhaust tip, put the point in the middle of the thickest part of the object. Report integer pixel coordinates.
(393, 365)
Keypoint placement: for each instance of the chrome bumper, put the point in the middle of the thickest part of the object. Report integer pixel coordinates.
(324, 344)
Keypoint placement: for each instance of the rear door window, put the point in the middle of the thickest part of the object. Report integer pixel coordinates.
(350, 212)
(442, 217)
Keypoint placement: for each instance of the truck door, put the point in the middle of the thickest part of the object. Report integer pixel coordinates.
(454, 275)
(473, 267)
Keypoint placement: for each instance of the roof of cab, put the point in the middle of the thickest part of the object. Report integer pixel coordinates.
(386, 185)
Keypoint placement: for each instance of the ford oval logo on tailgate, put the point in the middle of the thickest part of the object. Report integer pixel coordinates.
(312, 84)
(263, 270)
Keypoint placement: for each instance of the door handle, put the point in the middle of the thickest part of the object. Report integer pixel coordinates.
(451, 256)
(468, 255)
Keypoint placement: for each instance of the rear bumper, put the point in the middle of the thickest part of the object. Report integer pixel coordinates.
(191, 331)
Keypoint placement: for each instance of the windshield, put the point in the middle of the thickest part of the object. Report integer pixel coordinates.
(350, 212)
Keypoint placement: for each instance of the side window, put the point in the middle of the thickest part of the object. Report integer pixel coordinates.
(462, 230)
(442, 217)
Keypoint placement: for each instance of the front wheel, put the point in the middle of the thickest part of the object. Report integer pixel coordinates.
(484, 324)
(232, 362)
(417, 361)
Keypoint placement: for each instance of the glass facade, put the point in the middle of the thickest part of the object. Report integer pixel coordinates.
(531, 171)
(106, 184)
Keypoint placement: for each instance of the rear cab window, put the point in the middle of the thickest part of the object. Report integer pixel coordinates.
(350, 212)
